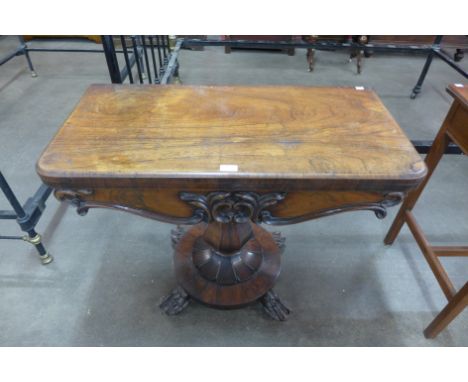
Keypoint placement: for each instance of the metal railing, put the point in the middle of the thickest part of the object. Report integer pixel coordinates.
(147, 59)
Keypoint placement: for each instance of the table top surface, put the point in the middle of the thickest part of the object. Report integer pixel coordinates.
(262, 132)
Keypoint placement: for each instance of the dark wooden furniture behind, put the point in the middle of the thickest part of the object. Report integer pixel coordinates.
(225, 159)
(275, 38)
(355, 53)
(454, 129)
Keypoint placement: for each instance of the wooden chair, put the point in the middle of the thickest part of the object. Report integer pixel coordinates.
(454, 129)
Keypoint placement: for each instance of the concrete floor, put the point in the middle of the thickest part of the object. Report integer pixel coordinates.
(344, 286)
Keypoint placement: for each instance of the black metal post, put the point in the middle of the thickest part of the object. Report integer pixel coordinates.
(111, 59)
(161, 63)
(156, 74)
(427, 65)
(145, 53)
(22, 49)
(27, 219)
(26, 54)
(137, 58)
(448, 60)
(165, 49)
(127, 61)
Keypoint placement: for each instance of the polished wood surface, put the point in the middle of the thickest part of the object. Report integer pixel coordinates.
(458, 131)
(210, 282)
(301, 135)
(454, 129)
(167, 201)
(299, 153)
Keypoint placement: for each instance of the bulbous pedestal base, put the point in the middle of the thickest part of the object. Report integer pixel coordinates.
(226, 280)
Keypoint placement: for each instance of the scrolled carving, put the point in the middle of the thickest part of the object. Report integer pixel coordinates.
(78, 199)
(390, 200)
(379, 208)
(227, 207)
(75, 197)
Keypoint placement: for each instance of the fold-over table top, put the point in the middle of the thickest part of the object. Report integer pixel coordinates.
(308, 135)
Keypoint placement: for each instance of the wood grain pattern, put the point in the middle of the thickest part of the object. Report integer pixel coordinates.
(235, 294)
(133, 135)
(167, 202)
(301, 153)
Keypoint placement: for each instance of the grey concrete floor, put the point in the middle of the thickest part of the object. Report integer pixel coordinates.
(344, 286)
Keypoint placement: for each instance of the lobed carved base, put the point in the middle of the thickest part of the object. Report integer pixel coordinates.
(226, 279)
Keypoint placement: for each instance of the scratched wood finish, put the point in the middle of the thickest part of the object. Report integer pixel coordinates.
(137, 135)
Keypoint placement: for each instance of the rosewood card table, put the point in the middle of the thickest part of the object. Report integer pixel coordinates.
(221, 160)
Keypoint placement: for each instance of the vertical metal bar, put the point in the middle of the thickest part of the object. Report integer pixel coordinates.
(11, 197)
(422, 76)
(127, 61)
(163, 40)
(137, 59)
(21, 214)
(111, 59)
(161, 64)
(26, 54)
(156, 74)
(140, 49)
(146, 59)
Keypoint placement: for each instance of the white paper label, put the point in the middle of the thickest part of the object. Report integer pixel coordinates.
(359, 87)
(228, 167)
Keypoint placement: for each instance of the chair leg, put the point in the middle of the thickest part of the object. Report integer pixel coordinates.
(435, 154)
(446, 316)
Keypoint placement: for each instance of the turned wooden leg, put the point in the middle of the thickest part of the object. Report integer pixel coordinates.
(435, 154)
(310, 59)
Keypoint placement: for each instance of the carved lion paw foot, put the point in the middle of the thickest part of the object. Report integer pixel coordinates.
(175, 302)
(274, 307)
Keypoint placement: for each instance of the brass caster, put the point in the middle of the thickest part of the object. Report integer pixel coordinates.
(46, 258)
